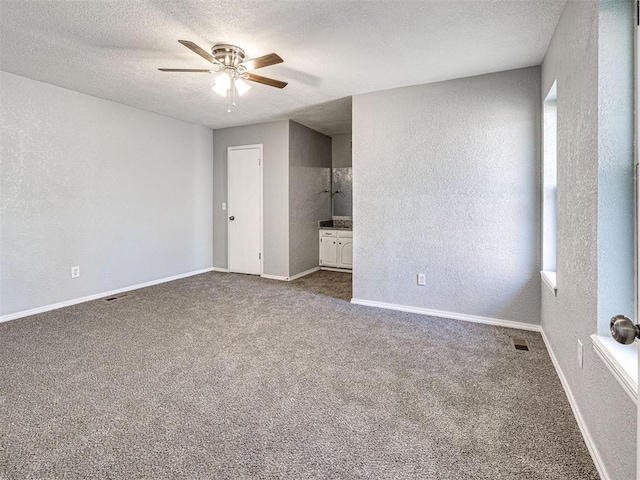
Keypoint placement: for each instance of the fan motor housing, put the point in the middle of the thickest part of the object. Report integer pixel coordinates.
(229, 55)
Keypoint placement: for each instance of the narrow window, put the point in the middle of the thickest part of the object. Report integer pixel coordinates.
(550, 186)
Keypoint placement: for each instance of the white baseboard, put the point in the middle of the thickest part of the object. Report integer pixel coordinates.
(289, 279)
(332, 269)
(452, 315)
(588, 440)
(68, 303)
(219, 269)
(275, 277)
(304, 274)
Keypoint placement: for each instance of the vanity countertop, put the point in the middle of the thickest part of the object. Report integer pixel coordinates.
(335, 225)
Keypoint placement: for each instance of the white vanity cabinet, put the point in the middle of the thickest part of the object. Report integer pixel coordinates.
(336, 249)
(328, 248)
(345, 250)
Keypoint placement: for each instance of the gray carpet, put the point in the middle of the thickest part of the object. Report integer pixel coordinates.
(223, 376)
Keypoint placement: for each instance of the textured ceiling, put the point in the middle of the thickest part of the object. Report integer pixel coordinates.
(331, 50)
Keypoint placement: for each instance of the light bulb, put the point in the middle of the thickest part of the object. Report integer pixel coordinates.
(223, 79)
(223, 84)
(220, 90)
(242, 87)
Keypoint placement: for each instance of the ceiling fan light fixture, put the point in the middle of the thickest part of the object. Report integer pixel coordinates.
(242, 87)
(228, 61)
(220, 90)
(224, 80)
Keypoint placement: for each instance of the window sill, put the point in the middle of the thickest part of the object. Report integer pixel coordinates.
(549, 278)
(621, 360)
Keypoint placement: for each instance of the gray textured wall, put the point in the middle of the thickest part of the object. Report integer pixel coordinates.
(572, 58)
(125, 194)
(341, 150)
(275, 139)
(446, 180)
(309, 176)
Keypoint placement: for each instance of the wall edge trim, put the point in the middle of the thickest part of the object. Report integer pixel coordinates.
(282, 278)
(618, 372)
(95, 296)
(334, 269)
(220, 269)
(275, 277)
(586, 435)
(304, 274)
(450, 315)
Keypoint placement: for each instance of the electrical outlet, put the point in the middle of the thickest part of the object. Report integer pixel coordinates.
(421, 279)
(580, 353)
(75, 272)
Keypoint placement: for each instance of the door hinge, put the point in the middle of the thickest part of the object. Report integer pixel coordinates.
(259, 160)
(259, 256)
(638, 13)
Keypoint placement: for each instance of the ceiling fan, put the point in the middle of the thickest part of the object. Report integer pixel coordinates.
(228, 61)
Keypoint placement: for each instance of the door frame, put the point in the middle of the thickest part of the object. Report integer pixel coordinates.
(636, 158)
(260, 197)
(636, 154)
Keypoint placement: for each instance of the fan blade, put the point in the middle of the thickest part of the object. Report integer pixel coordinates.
(266, 81)
(193, 70)
(264, 61)
(203, 53)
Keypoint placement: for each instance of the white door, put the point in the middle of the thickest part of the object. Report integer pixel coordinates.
(345, 252)
(329, 251)
(244, 209)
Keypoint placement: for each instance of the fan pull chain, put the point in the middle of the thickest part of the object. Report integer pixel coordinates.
(233, 89)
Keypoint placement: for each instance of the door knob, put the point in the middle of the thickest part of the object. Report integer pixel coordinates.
(232, 218)
(623, 330)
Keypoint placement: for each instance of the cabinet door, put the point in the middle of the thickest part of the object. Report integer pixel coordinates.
(345, 253)
(328, 252)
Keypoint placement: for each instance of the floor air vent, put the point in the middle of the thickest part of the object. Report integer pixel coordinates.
(520, 344)
(115, 297)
